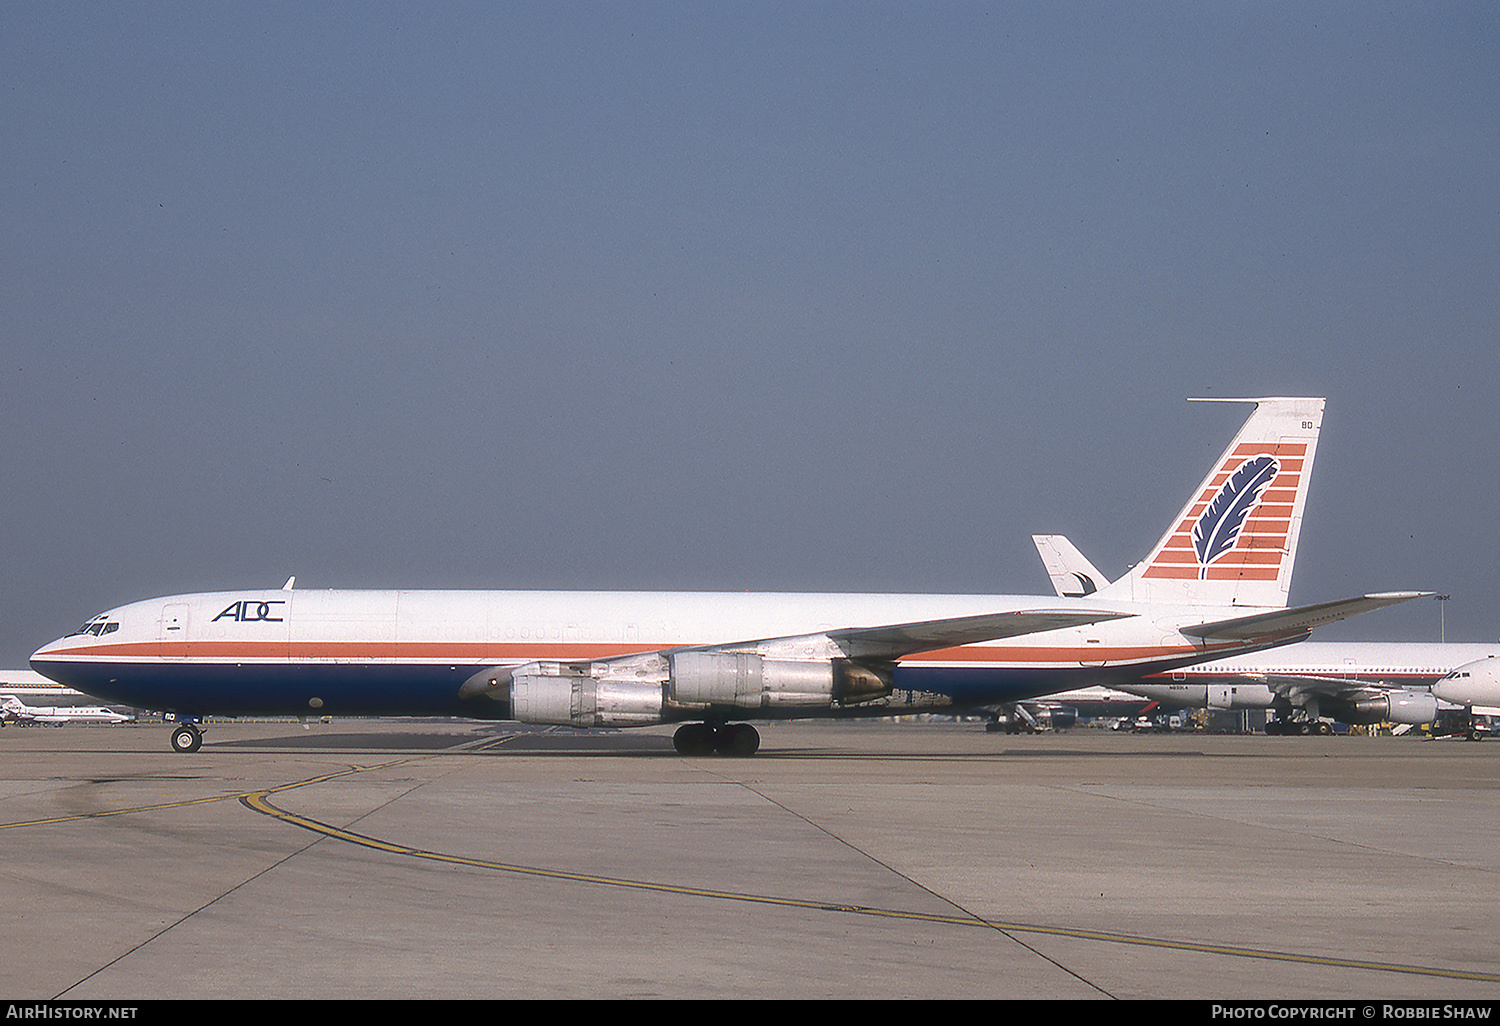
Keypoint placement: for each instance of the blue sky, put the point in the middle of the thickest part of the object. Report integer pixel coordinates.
(802, 296)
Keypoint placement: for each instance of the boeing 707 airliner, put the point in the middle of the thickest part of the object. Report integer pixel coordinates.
(1215, 584)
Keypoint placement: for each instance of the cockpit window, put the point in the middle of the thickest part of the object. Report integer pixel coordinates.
(97, 626)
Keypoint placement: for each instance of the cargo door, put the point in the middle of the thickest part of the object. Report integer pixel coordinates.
(174, 630)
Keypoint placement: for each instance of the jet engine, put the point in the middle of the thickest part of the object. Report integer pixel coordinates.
(1239, 696)
(640, 690)
(1391, 707)
(747, 680)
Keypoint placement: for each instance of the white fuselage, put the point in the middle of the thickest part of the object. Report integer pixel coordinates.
(409, 652)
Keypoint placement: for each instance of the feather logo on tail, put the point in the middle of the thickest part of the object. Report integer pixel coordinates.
(1219, 526)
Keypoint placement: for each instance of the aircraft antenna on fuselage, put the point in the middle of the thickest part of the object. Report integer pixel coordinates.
(289, 582)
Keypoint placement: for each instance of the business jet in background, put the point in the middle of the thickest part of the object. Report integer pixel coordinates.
(1306, 685)
(1216, 584)
(13, 710)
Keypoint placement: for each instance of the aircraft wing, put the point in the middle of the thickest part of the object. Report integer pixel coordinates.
(886, 642)
(1297, 619)
(1296, 685)
(894, 641)
(1293, 686)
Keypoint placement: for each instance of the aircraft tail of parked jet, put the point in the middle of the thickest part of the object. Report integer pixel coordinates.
(1235, 541)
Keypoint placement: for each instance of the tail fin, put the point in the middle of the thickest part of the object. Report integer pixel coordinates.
(1233, 544)
(1073, 576)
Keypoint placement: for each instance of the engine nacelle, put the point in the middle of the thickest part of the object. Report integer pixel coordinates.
(556, 693)
(748, 680)
(1392, 707)
(1239, 696)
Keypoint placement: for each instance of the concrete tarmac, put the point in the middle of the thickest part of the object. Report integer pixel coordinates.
(406, 859)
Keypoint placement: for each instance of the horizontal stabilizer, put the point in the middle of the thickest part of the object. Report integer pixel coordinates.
(1073, 576)
(1299, 619)
(905, 639)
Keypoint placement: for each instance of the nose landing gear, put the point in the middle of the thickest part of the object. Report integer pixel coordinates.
(187, 738)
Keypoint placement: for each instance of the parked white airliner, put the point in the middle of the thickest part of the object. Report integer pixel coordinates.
(1215, 584)
(1348, 681)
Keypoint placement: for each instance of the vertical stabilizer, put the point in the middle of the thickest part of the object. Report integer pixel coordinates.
(1233, 544)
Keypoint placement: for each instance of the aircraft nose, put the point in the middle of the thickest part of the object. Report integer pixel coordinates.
(46, 649)
(44, 653)
(1477, 683)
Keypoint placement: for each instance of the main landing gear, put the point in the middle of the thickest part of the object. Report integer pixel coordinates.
(186, 738)
(733, 739)
(1283, 727)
